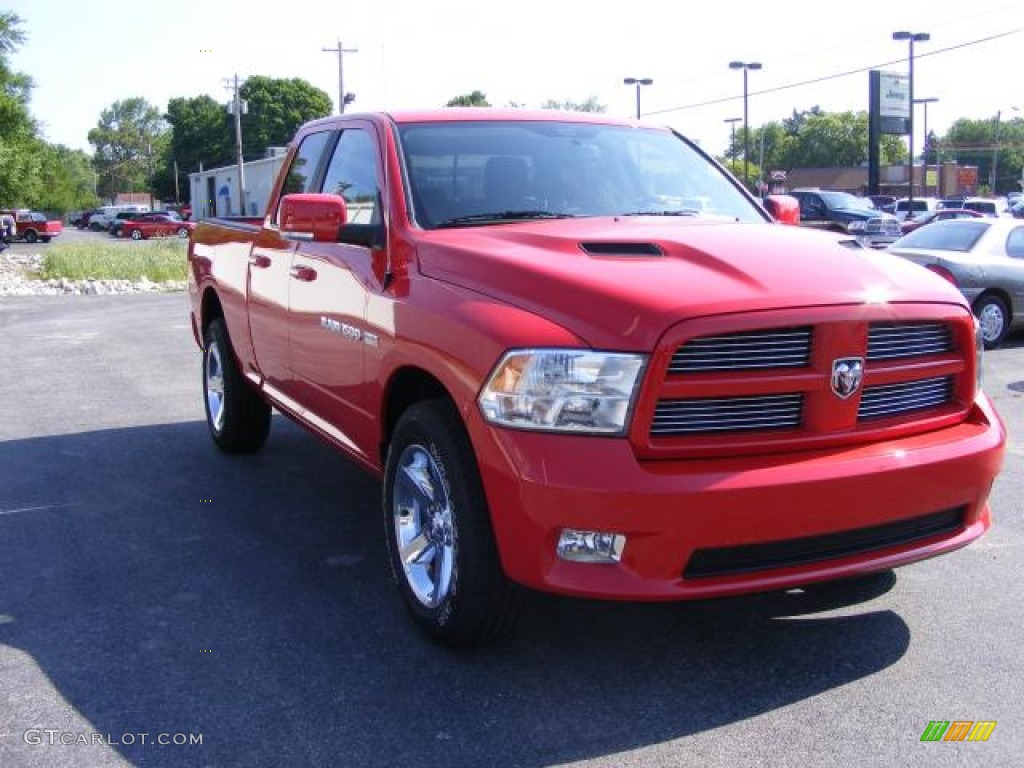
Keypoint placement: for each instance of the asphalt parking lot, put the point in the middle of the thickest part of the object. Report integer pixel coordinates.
(153, 592)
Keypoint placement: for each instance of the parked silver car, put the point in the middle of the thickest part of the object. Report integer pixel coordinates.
(984, 258)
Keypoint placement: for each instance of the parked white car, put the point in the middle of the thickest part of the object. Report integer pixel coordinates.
(100, 222)
(922, 205)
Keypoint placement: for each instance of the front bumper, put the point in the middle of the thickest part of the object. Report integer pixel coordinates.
(538, 484)
(877, 241)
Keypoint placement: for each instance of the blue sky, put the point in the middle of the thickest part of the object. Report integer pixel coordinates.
(411, 54)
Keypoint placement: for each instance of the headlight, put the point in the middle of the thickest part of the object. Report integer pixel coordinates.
(564, 390)
(855, 226)
(979, 355)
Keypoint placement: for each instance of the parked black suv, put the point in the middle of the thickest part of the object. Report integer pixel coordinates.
(842, 212)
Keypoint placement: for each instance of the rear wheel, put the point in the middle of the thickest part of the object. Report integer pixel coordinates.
(45, 238)
(237, 416)
(136, 234)
(440, 542)
(994, 318)
(31, 236)
(183, 232)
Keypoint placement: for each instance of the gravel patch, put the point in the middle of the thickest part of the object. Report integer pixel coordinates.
(16, 270)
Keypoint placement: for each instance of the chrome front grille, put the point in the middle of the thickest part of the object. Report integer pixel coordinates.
(887, 341)
(752, 390)
(727, 414)
(776, 348)
(899, 399)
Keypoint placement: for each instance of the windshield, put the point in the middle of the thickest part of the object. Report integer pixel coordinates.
(479, 173)
(844, 200)
(945, 236)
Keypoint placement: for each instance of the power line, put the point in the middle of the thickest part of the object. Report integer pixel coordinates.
(837, 75)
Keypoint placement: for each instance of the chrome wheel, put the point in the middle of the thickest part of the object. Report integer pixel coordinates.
(423, 526)
(213, 384)
(993, 316)
(993, 322)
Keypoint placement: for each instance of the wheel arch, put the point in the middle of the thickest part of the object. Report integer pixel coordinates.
(210, 309)
(999, 293)
(408, 385)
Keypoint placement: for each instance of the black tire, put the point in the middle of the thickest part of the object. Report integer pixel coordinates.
(448, 514)
(136, 234)
(31, 236)
(183, 232)
(994, 317)
(237, 415)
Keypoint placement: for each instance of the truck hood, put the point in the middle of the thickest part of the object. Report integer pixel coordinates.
(619, 283)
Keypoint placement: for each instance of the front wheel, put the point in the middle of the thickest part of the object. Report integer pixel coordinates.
(237, 416)
(183, 232)
(31, 236)
(440, 542)
(994, 318)
(136, 234)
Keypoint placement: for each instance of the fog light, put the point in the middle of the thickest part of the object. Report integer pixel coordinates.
(590, 546)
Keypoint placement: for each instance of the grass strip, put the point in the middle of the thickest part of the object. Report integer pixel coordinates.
(158, 261)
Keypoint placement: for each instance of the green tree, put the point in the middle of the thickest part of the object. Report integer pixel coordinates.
(473, 99)
(11, 36)
(276, 109)
(978, 142)
(126, 138)
(202, 132)
(21, 162)
(20, 150)
(815, 139)
(67, 180)
(590, 105)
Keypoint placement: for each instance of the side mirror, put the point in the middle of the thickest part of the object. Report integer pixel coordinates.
(312, 216)
(785, 209)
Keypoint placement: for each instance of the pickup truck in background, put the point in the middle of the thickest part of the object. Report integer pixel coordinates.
(572, 378)
(32, 227)
(841, 212)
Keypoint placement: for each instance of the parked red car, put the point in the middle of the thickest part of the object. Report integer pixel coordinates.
(941, 215)
(156, 225)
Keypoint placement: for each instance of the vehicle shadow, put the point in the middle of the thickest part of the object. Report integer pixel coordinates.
(152, 585)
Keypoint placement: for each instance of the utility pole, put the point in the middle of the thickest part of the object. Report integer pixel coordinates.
(149, 173)
(993, 176)
(236, 108)
(343, 98)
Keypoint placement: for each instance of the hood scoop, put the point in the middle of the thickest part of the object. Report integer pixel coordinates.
(621, 249)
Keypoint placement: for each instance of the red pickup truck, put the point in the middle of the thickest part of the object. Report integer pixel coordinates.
(584, 360)
(31, 226)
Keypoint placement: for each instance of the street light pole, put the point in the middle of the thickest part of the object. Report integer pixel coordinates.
(911, 38)
(927, 144)
(746, 66)
(638, 82)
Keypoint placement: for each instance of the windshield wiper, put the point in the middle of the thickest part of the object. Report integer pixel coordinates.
(479, 218)
(675, 212)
